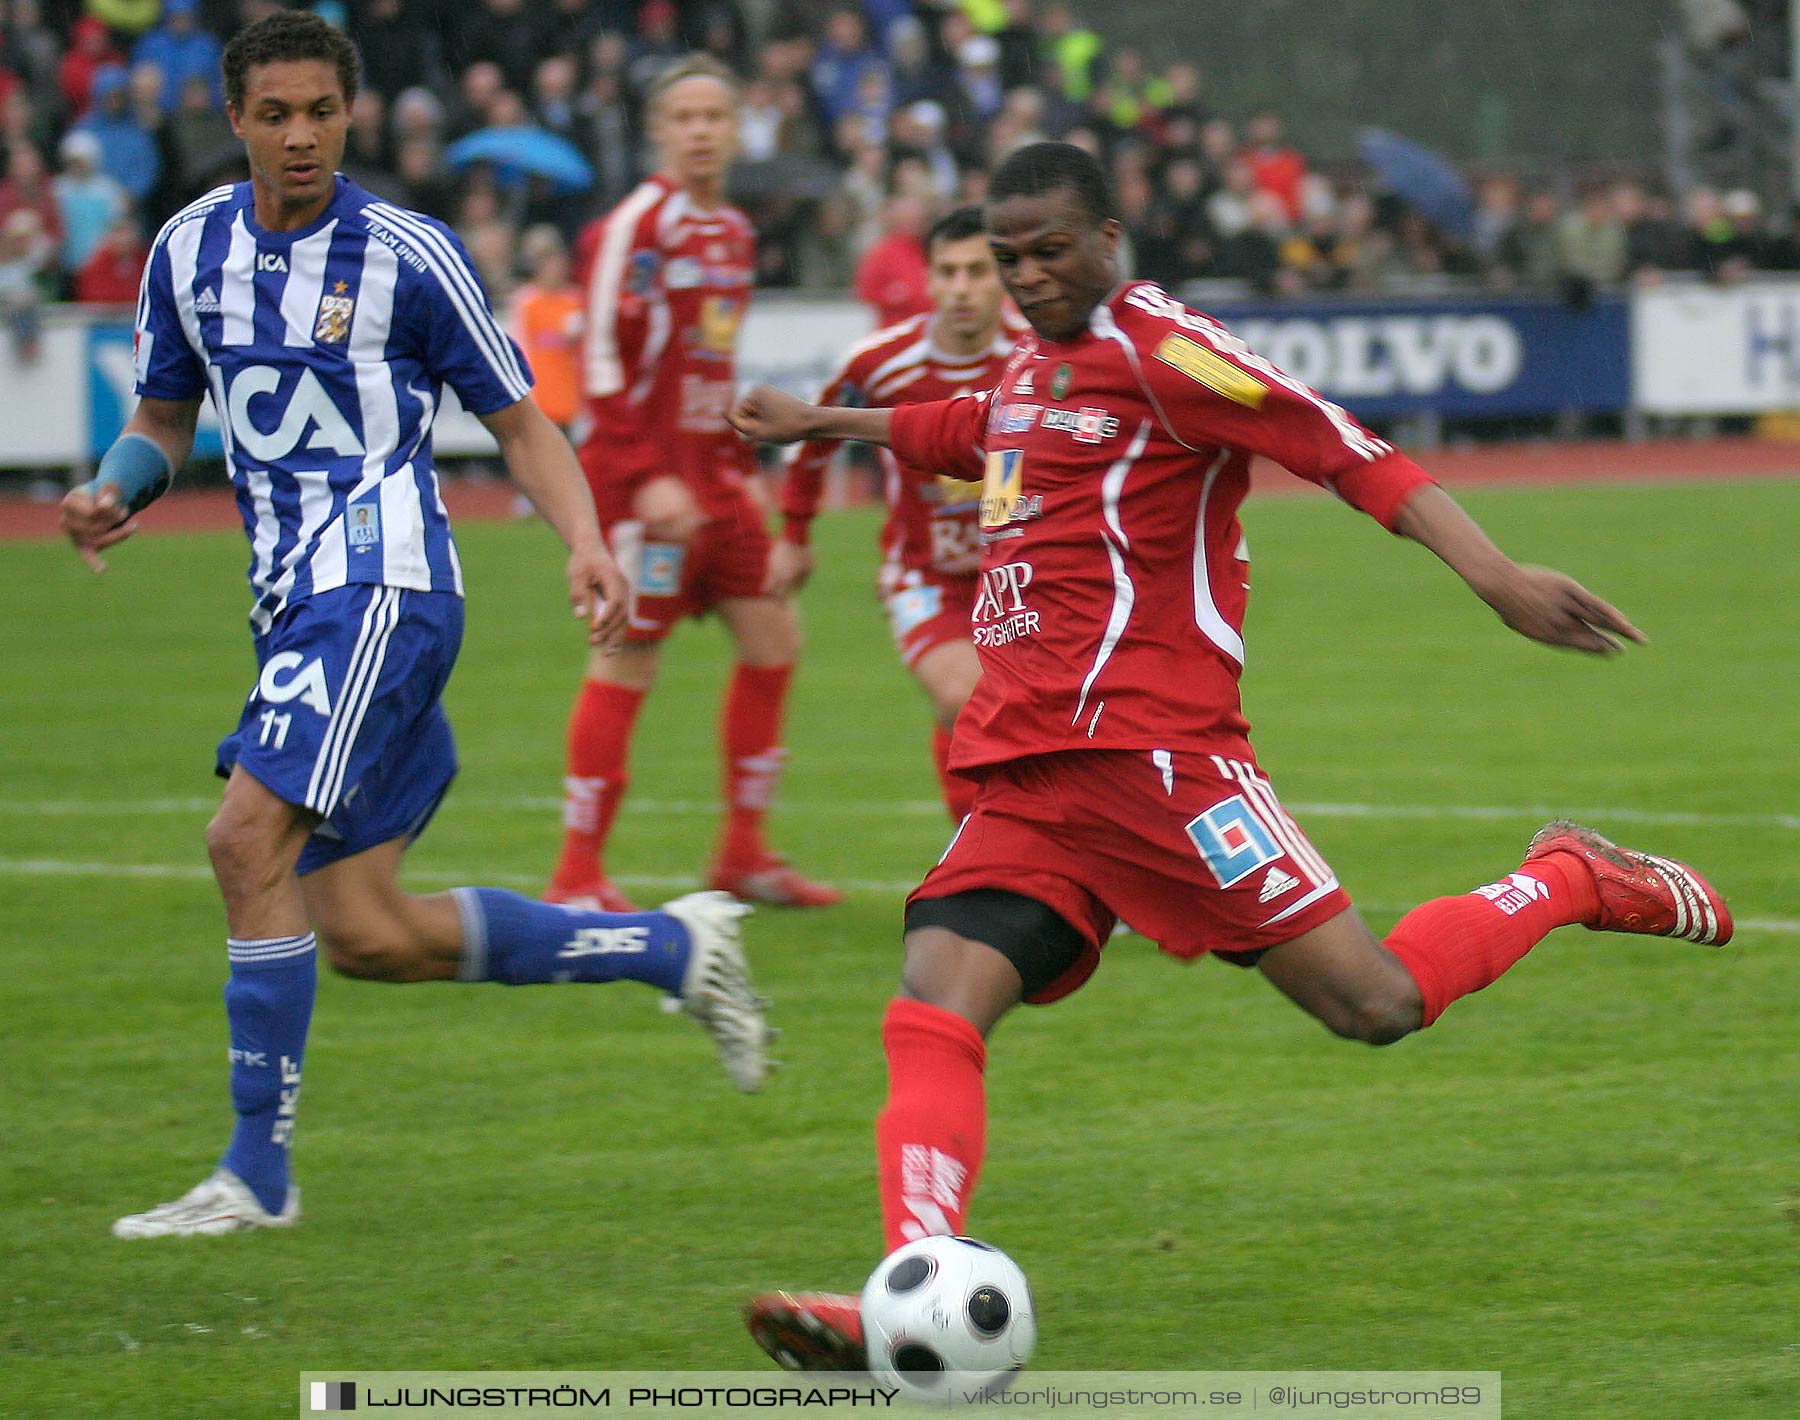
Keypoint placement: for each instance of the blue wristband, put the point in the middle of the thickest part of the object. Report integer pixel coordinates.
(138, 468)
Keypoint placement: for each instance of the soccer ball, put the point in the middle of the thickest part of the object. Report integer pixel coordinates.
(943, 1316)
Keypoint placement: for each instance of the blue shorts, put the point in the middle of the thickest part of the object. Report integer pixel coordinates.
(345, 718)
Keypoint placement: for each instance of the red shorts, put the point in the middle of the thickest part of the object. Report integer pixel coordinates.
(926, 610)
(1192, 850)
(727, 558)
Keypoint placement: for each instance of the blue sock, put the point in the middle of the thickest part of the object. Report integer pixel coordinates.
(522, 942)
(268, 1003)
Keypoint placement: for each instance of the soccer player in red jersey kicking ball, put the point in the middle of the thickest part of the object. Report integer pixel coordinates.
(930, 544)
(671, 268)
(1115, 772)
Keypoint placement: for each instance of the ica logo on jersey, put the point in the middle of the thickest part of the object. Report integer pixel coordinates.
(288, 675)
(268, 426)
(271, 261)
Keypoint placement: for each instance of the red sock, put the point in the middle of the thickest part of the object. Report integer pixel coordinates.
(750, 731)
(959, 793)
(1457, 945)
(599, 740)
(929, 1140)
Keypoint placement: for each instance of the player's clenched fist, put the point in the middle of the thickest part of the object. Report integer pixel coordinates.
(766, 415)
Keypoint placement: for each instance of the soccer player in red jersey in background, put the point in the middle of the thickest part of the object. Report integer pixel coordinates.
(669, 280)
(930, 545)
(1114, 766)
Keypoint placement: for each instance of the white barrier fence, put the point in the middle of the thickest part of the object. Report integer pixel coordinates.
(1717, 349)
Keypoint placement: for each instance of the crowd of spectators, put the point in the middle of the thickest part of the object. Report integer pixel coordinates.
(860, 123)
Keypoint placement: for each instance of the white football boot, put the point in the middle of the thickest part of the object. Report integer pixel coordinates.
(716, 988)
(220, 1204)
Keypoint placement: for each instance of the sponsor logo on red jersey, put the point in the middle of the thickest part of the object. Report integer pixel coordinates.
(1003, 496)
(1000, 614)
(1017, 418)
(1088, 425)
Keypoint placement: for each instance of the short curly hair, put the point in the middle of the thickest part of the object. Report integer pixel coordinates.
(287, 34)
(1040, 168)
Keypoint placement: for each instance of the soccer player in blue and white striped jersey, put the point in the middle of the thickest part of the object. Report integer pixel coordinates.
(325, 324)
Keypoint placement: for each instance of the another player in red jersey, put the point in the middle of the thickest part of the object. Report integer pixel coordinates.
(930, 544)
(670, 276)
(1115, 772)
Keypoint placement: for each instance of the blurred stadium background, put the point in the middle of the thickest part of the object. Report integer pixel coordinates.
(1561, 257)
(1462, 220)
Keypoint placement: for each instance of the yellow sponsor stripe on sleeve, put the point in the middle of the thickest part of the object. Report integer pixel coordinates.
(1218, 375)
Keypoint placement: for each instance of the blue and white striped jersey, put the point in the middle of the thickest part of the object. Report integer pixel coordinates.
(326, 351)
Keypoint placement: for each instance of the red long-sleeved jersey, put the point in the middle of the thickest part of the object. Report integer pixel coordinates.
(668, 284)
(930, 524)
(1114, 571)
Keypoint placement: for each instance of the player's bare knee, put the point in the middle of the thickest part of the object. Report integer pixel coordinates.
(960, 975)
(772, 646)
(244, 862)
(365, 952)
(928, 978)
(1378, 1018)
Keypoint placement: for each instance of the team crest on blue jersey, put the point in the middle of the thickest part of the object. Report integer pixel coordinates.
(1232, 841)
(660, 572)
(335, 310)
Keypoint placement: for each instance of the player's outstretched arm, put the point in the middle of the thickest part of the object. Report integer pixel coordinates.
(1538, 602)
(767, 415)
(542, 464)
(133, 474)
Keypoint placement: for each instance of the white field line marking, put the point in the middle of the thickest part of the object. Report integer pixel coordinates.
(864, 808)
(194, 872)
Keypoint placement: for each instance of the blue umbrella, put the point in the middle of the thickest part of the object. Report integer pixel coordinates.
(522, 152)
(1421, 177)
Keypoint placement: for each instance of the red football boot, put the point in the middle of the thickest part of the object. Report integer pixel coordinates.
(773, 882)
(1639, 892)
(809, 1331)
(595, 895)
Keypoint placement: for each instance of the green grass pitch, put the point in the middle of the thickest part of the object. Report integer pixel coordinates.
(1587, 1178)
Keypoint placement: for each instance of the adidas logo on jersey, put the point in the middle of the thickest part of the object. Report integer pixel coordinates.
(207, 302)
(1024, 384)
(1277, 882)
